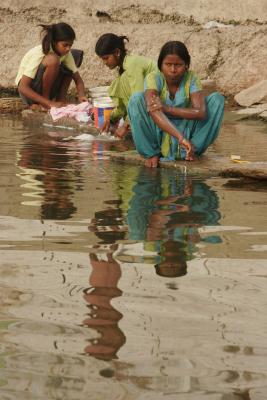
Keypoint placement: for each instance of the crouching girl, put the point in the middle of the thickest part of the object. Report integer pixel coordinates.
(132, 70)
(46, 71)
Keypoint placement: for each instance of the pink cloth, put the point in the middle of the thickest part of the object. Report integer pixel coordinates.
(71, 111)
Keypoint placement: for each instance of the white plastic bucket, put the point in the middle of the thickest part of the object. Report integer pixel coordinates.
(100, 91)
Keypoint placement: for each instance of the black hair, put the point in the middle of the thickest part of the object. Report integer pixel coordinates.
(54, 33)
(174, 47)
(108, 43)
(111, 217)
(171, 270)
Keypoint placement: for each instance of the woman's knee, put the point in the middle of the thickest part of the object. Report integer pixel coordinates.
(51, 60)
(136, 104)
(216, 97)
(137, 99)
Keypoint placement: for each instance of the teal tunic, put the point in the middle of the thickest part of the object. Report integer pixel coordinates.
(150, 140)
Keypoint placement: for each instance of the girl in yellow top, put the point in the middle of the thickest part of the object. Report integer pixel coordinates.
(132, 71)
(46, 71)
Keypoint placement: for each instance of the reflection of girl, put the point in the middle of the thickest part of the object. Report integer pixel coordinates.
(53, 165)
(103, 317)
(132, 71)
(173, 118)
(104, 278)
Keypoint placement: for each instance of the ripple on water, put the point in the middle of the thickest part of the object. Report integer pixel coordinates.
(123, 283)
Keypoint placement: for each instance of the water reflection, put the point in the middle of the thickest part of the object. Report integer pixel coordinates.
(57, 173)
(203, 341)
(52, 166)
(164, 212)
(102, 316)
(104, 278)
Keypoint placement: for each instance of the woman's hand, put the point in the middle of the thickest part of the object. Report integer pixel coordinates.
(122, 131)
(81, 99)
(189, 148)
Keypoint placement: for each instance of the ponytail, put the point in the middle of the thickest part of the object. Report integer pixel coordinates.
(55, 33)
(47, 38)
(108, 43)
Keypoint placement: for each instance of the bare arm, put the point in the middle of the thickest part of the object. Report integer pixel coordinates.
(27, 91)
(155, 108)
(80, 87)
(196, 111)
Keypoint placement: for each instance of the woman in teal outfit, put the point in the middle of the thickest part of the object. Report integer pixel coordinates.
(173, 119)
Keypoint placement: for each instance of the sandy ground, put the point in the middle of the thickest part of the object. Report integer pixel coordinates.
(234, 56)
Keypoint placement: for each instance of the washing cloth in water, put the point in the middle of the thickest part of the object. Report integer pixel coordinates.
(76, 111)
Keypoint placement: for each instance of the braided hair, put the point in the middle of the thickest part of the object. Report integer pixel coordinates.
(108, 43)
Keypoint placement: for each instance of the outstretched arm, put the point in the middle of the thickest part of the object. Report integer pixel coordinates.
(156, 110)
(80, 87)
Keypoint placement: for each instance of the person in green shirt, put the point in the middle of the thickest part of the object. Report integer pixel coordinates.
(132, 70)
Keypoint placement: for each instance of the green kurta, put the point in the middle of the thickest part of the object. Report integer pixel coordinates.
(136, 68)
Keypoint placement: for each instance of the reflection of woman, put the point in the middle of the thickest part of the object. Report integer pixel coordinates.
(102, 316)
(165, 212)
(173, 118)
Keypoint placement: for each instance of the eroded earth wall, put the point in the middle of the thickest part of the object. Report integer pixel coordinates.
(231, 51)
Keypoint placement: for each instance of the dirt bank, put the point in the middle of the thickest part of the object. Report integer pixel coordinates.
(233, 55)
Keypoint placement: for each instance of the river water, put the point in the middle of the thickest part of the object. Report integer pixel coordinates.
(120, 282)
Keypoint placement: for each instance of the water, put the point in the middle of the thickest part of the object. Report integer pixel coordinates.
(119, 282)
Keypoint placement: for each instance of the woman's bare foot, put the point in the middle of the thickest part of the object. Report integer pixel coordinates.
(190, 157)
(152, 162)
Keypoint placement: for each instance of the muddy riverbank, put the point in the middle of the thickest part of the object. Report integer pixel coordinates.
(239, 150)
(229, 49)
(223, 46)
